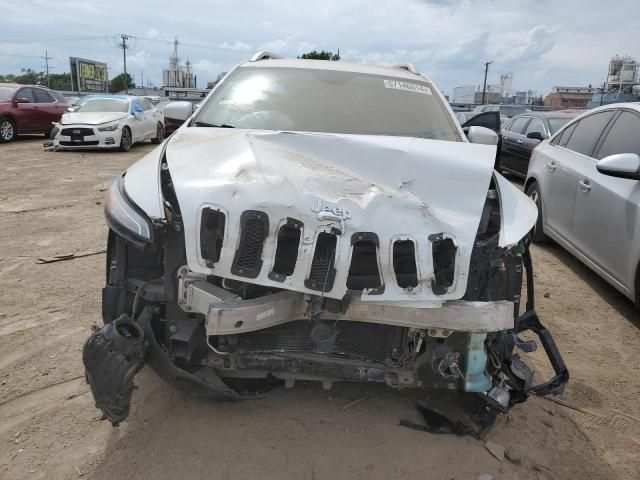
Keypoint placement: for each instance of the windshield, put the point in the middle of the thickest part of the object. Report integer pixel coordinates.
(512, 111)
(313, 100)
(556, 124)
(6, 92)
(104, 105)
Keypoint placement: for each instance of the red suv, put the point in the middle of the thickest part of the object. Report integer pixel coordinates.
(28, 109)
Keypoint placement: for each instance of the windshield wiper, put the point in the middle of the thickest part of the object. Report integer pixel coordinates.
(205, 124)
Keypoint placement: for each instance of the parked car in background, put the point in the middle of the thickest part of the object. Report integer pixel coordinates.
(464, 117)
(175, 114)
(585, 183)
(116, 121)
(506, 110)
(315, 220)
(522, 134)
(28, 109)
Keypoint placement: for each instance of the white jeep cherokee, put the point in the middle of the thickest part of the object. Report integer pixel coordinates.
(323, 221)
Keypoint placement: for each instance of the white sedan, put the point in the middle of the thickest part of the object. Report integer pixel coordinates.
(116, 121)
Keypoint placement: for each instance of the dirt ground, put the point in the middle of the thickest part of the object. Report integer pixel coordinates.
(51, 203)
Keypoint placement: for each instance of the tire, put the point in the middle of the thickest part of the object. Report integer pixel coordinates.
(159, 134)
(8, 130)
(537, 233)
(125, 140)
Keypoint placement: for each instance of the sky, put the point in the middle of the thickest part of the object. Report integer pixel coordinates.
(544, 43)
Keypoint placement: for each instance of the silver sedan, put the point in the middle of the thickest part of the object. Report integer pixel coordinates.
(584, 181)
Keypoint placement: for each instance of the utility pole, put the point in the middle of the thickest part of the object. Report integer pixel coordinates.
(46, 59)
(484, 87)
(124, 47)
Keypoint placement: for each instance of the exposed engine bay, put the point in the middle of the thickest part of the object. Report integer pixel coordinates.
(222, 301)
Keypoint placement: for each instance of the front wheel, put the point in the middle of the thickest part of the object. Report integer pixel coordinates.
(8, 130)
(537, 233)
(159, 134)
(125, 140)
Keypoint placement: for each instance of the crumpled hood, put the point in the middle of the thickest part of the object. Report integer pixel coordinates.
(396, 187)
(91, 118)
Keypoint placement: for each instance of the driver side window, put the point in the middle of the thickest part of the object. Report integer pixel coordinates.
(535, 125)
(27, 94)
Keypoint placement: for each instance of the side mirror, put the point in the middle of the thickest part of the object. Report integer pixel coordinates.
(71, 109)
(535, 135)
(178, 110)
(22, 100)
(137, 115)
(482, 135)
(621, 165)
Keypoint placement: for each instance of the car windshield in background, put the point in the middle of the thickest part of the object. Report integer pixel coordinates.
(104, 105)
(311, 100)
(512, 111)
(6, 93)
(556, 124)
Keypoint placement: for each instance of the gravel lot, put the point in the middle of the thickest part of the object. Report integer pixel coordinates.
(51, 203)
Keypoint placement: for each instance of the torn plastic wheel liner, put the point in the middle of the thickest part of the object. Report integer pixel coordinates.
(114, 354)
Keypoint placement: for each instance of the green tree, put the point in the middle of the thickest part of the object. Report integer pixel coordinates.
(321, 55)
(117, 83)
(8, 78)
(59, 81)
(30, 77)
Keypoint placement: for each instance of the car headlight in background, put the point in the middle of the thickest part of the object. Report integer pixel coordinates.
(125, 218)
(109, 128)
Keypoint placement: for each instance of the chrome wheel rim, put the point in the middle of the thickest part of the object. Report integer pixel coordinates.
(6, 130)
(126, 141)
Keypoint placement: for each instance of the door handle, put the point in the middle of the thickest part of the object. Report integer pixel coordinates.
(520, 141)
(584, 186)
(551, 166)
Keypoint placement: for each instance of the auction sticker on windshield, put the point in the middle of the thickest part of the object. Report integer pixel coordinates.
(410, 87)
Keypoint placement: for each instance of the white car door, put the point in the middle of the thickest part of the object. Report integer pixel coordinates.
(606, 214)
(150, 120)
(139, 127)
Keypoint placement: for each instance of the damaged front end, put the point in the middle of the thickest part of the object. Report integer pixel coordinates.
(331, 277)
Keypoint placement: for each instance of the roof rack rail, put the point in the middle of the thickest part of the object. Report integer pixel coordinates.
(405, 66)
(263, 56)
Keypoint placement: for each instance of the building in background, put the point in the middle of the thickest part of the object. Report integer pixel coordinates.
(178, 75)
(570, 97)
(622, 83)
(220, 76)
(464, 94)
(506, 84)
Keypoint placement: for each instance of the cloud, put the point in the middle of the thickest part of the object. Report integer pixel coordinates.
(138, 60)
(528, 46)
(206, 70)
(237, 46)
(449, 40)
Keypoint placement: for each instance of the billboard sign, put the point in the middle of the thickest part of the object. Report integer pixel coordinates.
(88, 76)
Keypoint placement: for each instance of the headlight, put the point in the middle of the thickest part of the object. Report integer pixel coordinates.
(109, 128)
(126, 218)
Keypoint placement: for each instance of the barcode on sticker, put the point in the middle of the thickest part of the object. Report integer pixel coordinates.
(408, 86)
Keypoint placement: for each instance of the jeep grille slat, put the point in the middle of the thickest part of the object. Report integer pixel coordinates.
(286, 250)
(211, 235)
(404, 263)
(363, 271)
(322, 273)
(254, 227)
